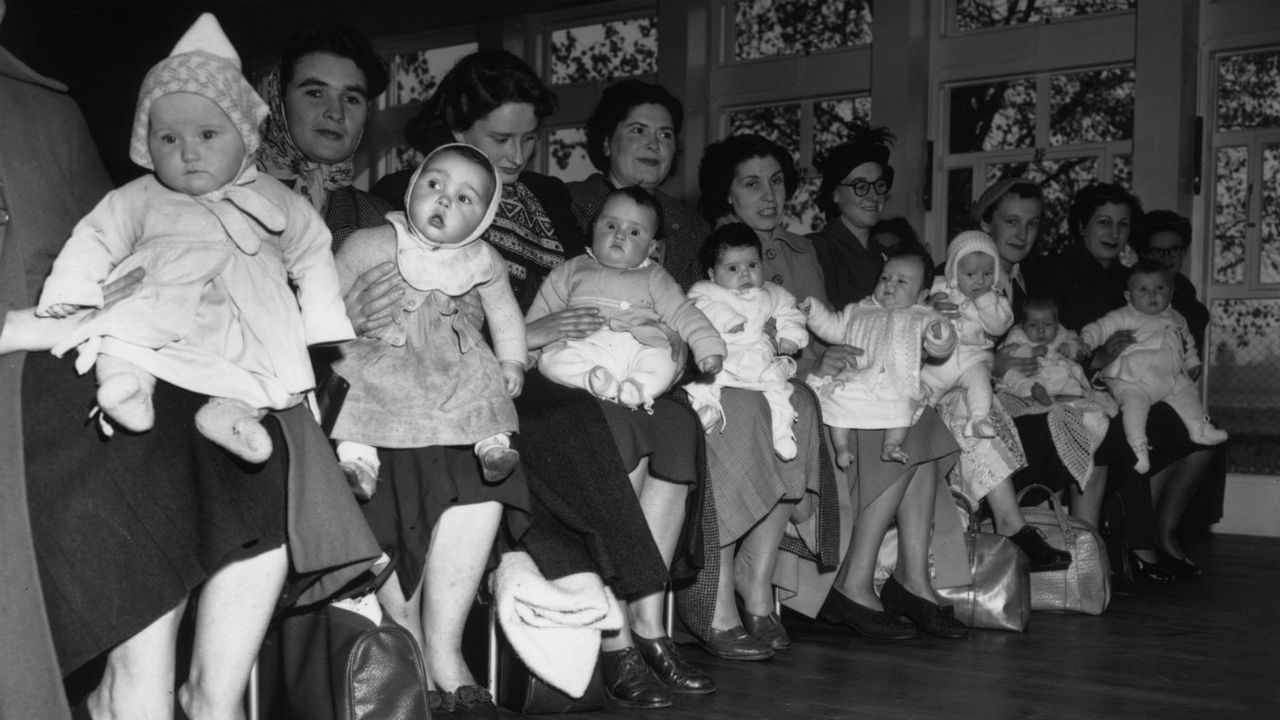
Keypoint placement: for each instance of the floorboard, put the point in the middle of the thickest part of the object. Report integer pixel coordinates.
(1198, 649)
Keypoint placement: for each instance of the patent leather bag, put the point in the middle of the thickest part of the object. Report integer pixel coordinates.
(999, 598)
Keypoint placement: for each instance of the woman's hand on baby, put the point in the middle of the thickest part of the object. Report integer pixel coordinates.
(1005, 361)
(711, 364)
(370, 298)
(59, 310)
(1111, 349)
(571, 323)
(513, 378)
(943, 306)
(837, 359)
(122, 287)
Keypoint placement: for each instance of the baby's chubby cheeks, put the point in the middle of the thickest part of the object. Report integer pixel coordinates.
(624, 233)
(450, 197)
(195, 147)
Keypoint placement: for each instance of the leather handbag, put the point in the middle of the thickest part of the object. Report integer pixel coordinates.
(1085, 586)
(999, 598)
(345, 660)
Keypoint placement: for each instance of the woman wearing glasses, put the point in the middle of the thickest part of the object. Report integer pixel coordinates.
(856, 179)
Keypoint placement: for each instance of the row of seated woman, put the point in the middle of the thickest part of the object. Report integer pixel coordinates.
(595, 375)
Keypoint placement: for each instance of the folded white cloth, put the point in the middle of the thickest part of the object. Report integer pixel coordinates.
(554, 625)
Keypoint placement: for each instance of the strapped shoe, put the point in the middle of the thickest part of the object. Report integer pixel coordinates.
(629, 682)
(666, 662)
(1043, 556)
(931, 617)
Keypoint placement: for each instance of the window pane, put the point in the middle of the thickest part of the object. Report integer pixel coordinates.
(978, 14)
(416, 74)
(766, 28)
(833, 121)
(1244, 387)
(1122, 171)
(1231, 190)
(959, 201)
(1091, 107)
(1249, 91)
(779, 123)
(604, 51)
(802, 213)
(1269, 260)
(1060, 179)
(993, 116)
(567, 150)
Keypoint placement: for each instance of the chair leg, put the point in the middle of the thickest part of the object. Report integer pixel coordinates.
(493, 649)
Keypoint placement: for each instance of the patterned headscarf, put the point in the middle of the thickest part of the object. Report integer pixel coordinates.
(280, 158)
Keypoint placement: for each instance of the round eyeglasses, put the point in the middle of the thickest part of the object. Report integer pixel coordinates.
(861, 187)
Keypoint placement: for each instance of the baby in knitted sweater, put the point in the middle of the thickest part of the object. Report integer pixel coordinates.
(634, 357)
(895, 331)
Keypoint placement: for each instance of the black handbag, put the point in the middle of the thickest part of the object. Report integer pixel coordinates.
(519, 690)
(333, 663)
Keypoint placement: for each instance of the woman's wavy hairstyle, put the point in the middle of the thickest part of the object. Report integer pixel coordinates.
(720, 162)
(479, 84)
(616, 102)
(1088, 199)
(339, 40)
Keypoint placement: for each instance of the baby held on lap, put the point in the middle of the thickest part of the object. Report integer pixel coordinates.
(895, 330)
(1055, 349)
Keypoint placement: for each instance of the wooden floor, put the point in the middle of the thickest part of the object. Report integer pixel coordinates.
(1203, 650)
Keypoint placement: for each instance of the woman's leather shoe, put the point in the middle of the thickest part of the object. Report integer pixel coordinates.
(736, 644)
(1154, 572)
(1182, 568)
(767, 629)
(629, 681)
(662, 656)
(1043, 557)
(870, 624)
(931, 617)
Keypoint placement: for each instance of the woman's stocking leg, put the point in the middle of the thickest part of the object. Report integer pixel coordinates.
(1005, 509)
(1172, 490)
(1086, 504)
(456, 560)
(753, 568)
(663, 505)
(138, 681)
(915, 528)
(235, 608)
(856, 578)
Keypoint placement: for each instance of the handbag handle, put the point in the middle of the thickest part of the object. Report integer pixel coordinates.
(1061, 515)
(970, 512)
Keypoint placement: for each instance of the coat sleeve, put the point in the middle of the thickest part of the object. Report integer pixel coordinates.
(502, 312)
(99, 242)
(678, 311)
(307, 256)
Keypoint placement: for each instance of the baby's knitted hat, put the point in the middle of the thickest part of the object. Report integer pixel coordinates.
(971, 241)
(204, 63)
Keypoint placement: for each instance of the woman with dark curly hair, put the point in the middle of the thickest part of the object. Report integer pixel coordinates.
(610, 486)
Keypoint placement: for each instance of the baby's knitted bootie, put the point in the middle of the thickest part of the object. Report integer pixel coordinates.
(123, 398)
(237, 427)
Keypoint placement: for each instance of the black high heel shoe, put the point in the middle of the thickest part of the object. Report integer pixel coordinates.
(1150, 571)
(1181, 568)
